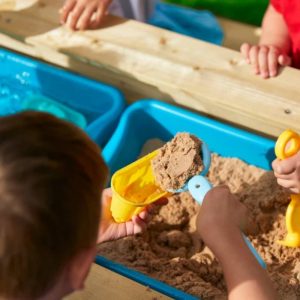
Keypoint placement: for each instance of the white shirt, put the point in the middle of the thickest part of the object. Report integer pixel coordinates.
(139, 10)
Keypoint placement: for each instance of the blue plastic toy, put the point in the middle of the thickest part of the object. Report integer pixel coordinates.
(42, 103)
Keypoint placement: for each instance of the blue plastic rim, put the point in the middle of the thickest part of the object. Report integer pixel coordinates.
(150, 119)
(144, 280)
(100, 103)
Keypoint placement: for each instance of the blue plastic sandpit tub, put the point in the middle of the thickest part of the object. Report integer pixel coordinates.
(101, 104)
(150, 119)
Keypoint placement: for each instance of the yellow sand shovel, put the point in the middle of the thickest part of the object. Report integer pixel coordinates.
(287, 145)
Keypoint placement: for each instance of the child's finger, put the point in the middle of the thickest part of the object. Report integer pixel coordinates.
(161, 201)
(263, 61)
(99, 15)
(245, 48)
(275, 162)
(138, 225)
(74, 16)
(85, 18)
(152, 207)
(288, 184)
(295, 190)
(106, 198)
(285, 167)
(69, 5)
(284, 176)
(143, 215)
(253, 56)
(107, 192)
(273, 61)
(284, 60)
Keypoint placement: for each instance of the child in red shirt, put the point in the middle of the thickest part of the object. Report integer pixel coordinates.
(280, 41)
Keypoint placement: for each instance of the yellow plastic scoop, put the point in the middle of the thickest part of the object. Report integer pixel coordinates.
(287, 145)
(134, 188)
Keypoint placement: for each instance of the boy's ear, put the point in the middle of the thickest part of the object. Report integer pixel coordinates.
(79, 268)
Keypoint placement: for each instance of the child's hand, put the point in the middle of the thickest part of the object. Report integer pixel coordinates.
(110, 230)
(83, 14)
(221, 216)
(265, 59)
(287, 172)
(220, 221)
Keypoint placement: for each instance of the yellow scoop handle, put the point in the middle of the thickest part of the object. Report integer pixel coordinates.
(287, 145)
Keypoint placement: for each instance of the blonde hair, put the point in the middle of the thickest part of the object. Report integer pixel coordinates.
(51, 178)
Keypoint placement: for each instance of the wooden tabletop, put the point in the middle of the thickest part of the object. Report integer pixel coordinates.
(104, 284)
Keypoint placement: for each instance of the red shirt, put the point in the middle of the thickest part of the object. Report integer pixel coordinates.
(290, 10)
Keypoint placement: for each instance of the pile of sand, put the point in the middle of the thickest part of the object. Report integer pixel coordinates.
(177, 161)
(170, 250)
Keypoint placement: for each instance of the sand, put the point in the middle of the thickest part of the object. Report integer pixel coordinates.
(170, 250)
(177, 161)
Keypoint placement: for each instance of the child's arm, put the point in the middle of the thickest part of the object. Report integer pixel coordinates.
(274, 46)
(219, 223)
(287, 172)
(110, 230)
(83, 14)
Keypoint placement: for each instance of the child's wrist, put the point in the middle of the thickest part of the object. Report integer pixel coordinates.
(217, 239)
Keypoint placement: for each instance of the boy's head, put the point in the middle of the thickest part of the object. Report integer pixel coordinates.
(51, 179)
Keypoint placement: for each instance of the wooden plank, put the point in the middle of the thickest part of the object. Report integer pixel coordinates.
(235, 32)
(104, 284)
(149, 62)
(12, 43)
(201, 76)
(46, 10)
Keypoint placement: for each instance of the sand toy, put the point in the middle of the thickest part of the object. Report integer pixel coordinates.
(287, 145)
(134, 186)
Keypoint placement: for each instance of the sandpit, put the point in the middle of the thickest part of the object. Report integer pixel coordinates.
(171, 251)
